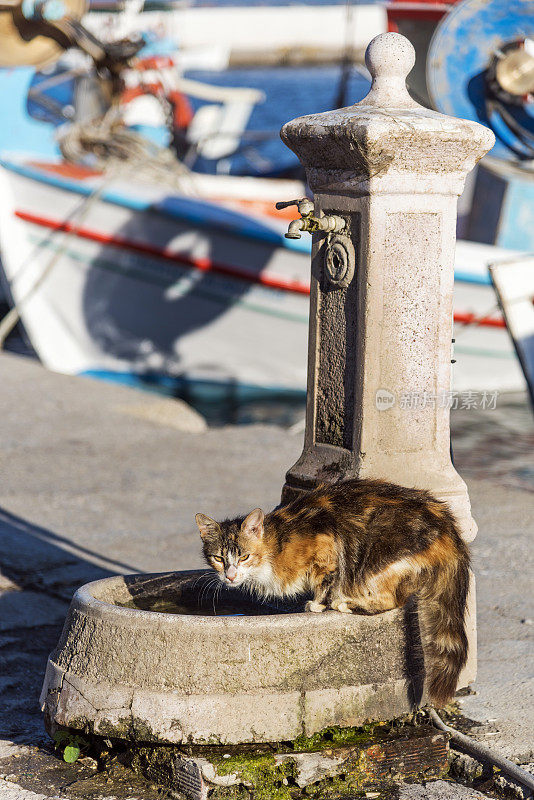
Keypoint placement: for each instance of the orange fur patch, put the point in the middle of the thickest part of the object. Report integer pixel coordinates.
(441, 551)
(391, 587)
(436, 509)
(313, 555)
(323, 502)
(375, 501)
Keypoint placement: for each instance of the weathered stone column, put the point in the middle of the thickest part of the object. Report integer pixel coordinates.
(380, 342)
(387, 172)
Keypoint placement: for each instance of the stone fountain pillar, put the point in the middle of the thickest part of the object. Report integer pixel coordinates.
(386, 174)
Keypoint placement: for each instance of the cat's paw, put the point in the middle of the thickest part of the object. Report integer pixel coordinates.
(311, 605)
(336, 603)
(342, 608)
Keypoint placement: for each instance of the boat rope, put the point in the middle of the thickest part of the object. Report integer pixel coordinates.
(106, 142)
(483, 753)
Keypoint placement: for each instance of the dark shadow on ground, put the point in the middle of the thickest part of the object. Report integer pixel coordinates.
(38, 576)
(39, 572)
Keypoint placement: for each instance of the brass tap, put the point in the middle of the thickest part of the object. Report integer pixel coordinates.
(307, 222)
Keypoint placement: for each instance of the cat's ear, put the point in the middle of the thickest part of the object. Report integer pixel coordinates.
(206, 525)
(253, 524)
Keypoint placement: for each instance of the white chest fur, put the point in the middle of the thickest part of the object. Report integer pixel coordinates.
(265, 582)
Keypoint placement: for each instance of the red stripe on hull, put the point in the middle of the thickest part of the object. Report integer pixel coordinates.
(471, 319)
(207, 265)
(202, 264)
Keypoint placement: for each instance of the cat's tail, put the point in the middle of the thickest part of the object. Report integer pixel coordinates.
(442, 603)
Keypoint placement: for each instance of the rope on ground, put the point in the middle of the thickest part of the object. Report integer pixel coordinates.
(483, 753)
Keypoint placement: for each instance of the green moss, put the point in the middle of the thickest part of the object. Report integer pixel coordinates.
(338, 737)
(155, 763)
(257, 769)
(121, 729)
(271, 781)
(140, 731)
(262, 775)
(276, 781)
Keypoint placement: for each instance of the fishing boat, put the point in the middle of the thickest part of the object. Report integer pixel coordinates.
(123, 280)
(149, 274)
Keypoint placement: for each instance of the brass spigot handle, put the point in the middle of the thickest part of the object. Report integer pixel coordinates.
(286, 203)
(304, 205)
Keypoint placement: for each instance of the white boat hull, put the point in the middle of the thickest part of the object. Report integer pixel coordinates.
(101, 301)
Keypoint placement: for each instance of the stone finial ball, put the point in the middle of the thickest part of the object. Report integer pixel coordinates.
(390, 54)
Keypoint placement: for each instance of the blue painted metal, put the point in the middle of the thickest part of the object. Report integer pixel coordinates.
(461, 50)
(516, 223)
(503, 209)
(20, 131)
(468, 277)
(463, 47)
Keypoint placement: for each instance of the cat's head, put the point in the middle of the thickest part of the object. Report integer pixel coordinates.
(234, 548)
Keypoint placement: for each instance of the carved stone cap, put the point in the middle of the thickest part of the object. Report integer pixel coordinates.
(387, 132)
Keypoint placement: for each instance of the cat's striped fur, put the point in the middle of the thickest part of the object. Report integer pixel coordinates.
(359, 545)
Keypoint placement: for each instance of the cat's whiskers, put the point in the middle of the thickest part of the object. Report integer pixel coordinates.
(201, 593)
(216, 597)
(208, 579)
(207, 586)
(207, 574)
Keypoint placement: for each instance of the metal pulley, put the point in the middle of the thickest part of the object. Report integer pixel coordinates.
(514, 70)
(480, 66)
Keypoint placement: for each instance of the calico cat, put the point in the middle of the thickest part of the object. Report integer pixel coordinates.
(359, 545)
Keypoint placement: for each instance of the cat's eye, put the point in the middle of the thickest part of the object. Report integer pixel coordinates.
(244, 558)
(218, 558)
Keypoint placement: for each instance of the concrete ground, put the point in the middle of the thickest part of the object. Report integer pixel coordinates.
(98, 479)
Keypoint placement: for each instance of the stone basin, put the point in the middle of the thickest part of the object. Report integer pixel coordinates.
(159, 658)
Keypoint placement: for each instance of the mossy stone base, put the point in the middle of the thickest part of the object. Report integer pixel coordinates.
(338, 762)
